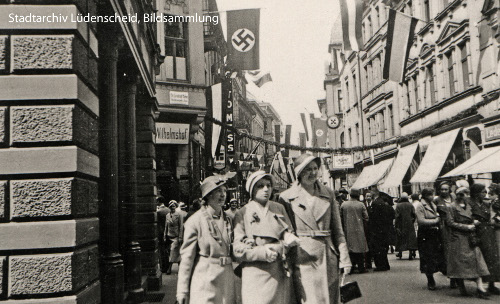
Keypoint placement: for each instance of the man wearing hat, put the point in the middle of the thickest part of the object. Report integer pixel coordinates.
(315, 215)
(161, 215)
(233, 207)
(206, 270)
(354, 218)
(173, 232)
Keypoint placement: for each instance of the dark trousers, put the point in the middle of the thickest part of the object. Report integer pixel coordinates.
(358, 261)
(380, 259)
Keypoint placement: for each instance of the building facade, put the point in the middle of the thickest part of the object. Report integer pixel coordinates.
(451, 86)
(76, 98)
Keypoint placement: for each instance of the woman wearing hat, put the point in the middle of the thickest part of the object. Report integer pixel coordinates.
(316, 218)
(262, 236)
(206, 271)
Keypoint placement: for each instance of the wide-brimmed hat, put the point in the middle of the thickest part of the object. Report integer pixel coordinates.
(303, 160)
(254, 178)
(211, 183)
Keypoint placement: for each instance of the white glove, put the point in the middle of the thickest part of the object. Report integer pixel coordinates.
(291, 240)
(271, 255)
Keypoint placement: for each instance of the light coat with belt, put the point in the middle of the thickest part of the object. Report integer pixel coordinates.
(206, 271)
(262, 282)
(317, 222)
(354, 218)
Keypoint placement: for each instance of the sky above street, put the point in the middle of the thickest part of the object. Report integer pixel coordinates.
(294, 48)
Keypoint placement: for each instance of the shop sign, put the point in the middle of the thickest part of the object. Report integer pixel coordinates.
(342, 161)
(181, 98)
(172, 133)
(492, 132)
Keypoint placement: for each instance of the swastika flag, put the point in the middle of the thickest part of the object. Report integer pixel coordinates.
(243, 39)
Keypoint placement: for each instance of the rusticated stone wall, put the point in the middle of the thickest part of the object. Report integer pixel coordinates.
(49, 164)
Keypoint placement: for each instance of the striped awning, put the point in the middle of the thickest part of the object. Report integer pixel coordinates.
(485, 161)
(371, 175)
(400, 167)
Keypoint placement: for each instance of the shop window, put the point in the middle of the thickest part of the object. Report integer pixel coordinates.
(176, 48)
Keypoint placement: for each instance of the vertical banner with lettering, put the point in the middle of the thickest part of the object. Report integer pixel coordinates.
(227, 90)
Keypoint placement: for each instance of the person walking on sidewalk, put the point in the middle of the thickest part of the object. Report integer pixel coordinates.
(323, 249)
(354, 218)
(406, 239)
(263, 234)
(430, 245)
(174, 223)
(206, 270)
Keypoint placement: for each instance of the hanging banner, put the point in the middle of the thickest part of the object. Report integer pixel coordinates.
(228, 102)
(342, 161)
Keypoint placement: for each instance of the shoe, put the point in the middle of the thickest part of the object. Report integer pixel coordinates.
(461, 287)
(482, 295)
(399, 255)
(494, 290)
(431, 283)
(453, 283)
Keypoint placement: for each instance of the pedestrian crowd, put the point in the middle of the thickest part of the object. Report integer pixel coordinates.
(297, 248)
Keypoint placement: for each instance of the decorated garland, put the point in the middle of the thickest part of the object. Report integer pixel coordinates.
(399, 140)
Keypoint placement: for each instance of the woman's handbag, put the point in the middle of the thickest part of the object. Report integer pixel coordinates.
(349, 291)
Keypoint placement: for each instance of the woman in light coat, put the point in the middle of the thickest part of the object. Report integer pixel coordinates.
(322, 251)
(465, 260)
(262, 237)
(206, 269)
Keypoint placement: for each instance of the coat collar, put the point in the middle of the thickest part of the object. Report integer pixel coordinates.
(310, 215)
(427, 206)
(465, 212)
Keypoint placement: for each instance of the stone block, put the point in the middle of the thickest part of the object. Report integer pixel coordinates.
(50, 234)
(145, 123)
(48, 159)
(51, 273)
(146, 163)
(39, 198)
(145, 137)
(146, 217)
(2, 271)
(146, 176)
(42, 274)
(3, 199)
(3, 52)
(146, 150)
(57, 87)
(3, 113)
(42, 52)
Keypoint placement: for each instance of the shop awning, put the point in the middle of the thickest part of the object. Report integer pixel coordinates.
(435, 156)
(371, 175)
(400, 167)
(485, 161)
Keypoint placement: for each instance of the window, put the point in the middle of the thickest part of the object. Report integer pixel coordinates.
(427, 10)
(377, 17)
(409, 9)
(366, 86)
(349, 133)
(430, 79)
(347, 93)
(465, 65)
(358, 136)
(391, 121)
(342, 140)
(451, 76)
(355, 95)
(369, 28)
(339, 100)
(407, 92)
(415, 92)
(176, 48)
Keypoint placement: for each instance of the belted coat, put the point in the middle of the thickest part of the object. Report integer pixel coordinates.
(262, 282)
(322, 250)
(203, 276)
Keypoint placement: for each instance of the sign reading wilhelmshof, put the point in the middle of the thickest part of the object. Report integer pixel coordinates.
(172, 133)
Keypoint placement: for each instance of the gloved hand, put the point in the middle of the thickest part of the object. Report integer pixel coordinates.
(291, 240)
(271, 255)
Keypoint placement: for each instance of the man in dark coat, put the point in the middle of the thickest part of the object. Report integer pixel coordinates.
(406, 239)
(161, 215)
(380, 226)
